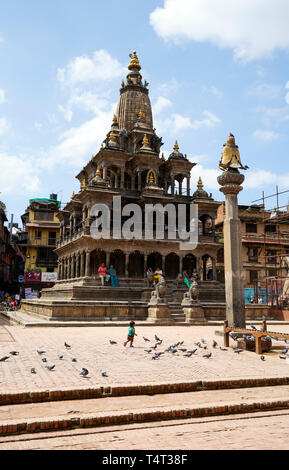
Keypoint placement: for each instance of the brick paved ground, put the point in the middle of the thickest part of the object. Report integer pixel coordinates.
(260, 430)
(90, 345)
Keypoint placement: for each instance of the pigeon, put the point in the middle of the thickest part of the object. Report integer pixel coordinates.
(207, 355)
(198, 344)
(60, 356)
(157, 339)
(189, 354)
(154, 347)
(74, 359)
(50, 367)
(14, 353)
(282, 357)
(112, 342)
(174, 351)
(192, 351)
(33, 370)
(155, 357)
(146, 339)
(262, 358)
(4, 358)
(67, 345)
(103, 373)
(215, 343)
(148, 350)
(183, 349)
(84, 372)
(284, 351)
(223, 349)
(203, 340)
(267, 338)
(180, 343)
(159, 342)
(205, 347)
(286, 341)
(234, 347)
(40, 351)
(253, 327)
(44, 359)
(238, 351)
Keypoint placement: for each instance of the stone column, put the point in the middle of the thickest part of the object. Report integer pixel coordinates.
(173, 185)
(126, 264)
(188, 185)
(139, 181)
(231, 181)
(163, 264)
(214, 269)
(77, 265)
(73, 267)
(107, 259)
(122, 178)
(145, 264)
(181, 264)
(87, 264)
(105, 173)
(82, 261)
(180, 188)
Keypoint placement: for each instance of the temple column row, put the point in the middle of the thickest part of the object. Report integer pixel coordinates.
(74, 266)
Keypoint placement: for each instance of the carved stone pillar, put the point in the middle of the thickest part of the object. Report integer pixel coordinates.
(231, 181)
(122, 178)
(126, 264)
(87, 264)
(82, 264)
(173, 184)
(139, 181)
(73, 267)
(188, 185)
(77, 265)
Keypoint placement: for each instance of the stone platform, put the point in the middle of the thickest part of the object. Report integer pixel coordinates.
(84, 300)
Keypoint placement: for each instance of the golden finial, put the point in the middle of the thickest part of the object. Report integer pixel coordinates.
(112, 136)
(83, 186)
(145, 141)
(176, 146)
(73, 194)
(134, 63)
(200, 183)
(98, 172)
(141, 115)
(114, 119)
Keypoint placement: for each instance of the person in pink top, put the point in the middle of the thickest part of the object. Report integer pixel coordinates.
(103, 274)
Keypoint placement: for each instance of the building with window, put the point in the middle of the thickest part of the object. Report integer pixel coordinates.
(264, 241)
(39, 239)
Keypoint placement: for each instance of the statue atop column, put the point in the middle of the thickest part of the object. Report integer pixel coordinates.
(230, 158)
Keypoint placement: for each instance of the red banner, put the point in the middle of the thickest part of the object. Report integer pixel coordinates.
(33, 277)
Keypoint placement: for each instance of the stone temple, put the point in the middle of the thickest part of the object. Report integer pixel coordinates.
(130, 164)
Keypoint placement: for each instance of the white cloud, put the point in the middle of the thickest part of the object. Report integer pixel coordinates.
(4, 126)
(2, 96)
(18, 172)
(254, 29)
(287, 94)
(212, 90)
(178, 123)
(83, 69)
(265, 136)
(263, 91)
(161, 104)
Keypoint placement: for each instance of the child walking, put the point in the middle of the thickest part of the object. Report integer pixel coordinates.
(131, 334)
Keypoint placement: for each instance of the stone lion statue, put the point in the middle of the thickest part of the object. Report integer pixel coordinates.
(160, 290)
(193, 292)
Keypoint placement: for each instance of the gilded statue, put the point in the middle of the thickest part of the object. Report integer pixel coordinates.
(231, 156)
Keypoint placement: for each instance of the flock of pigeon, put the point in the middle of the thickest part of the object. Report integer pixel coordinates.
(84, 372)
(172, 349)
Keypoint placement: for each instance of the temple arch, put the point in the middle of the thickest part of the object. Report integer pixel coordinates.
(136, 265)
(172, 265)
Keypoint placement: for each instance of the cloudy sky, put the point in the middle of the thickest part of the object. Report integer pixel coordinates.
(214, 67)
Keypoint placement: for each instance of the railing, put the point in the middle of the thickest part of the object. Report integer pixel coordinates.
(203, 238)
(43, 241)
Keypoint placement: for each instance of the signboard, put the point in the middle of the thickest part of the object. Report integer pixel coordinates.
(28, 293)
(49, 277)
(33, 277)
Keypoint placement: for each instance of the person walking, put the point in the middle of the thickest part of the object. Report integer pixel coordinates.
(131, 334)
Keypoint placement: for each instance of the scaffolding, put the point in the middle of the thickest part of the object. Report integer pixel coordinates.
(276, 216)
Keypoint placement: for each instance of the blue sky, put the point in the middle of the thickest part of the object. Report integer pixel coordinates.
(213, 67)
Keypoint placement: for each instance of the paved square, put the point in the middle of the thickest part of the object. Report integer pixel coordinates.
(124, 366)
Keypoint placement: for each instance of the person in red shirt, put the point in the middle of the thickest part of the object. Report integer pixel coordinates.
(103, 274)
